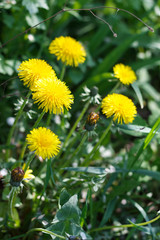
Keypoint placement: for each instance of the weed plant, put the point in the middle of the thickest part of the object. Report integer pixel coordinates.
(80, 119)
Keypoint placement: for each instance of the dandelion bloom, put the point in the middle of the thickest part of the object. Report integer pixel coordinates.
(28, 174)
(34, 69)
(124, 73)
(43, 142)
(120, 106)
(52, 95)
(68, 50)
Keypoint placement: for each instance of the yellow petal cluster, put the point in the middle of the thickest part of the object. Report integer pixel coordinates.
(43, 142)
(28, 174)
(52, 95)
(124, 73)
(30, 71)
(120, 107)
(68, 50)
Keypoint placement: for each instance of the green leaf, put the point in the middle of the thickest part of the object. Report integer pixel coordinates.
(69, 211)
(15, 222)
(33, 5)
(135, 130)
(64, 197)
(67, 219)
(138, 93)
(152, 133)
(33, 20)
(94, 170)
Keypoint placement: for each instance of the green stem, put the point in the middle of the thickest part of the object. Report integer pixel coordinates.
(13, 194)
(25, 143)
(73, 128)
(28, 162)
(112, 91)
(44, 231)
(115, 87)
(14, 125)
(147, 140)
(88, 158)
(49, 119)
(39, 119)
(76, 151)
(62, 72)
(125, 225)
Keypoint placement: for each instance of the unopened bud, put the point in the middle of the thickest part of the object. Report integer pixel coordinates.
(91, 121)
(17, 176)
(94, 91)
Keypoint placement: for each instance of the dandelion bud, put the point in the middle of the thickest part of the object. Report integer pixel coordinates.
(91, 121)
(17, 176)
(94, 91)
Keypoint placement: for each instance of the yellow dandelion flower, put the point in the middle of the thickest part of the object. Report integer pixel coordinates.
(120, 106)
(28, 174)
(124, 73)
(68, 50)
(52, 95)
(43, 142)
(34, 69)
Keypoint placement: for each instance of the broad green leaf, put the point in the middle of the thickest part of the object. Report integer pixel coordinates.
(94, 170)
(135, 130)
(67, 219)
(15, 222)
(64, 197)
(69, 211)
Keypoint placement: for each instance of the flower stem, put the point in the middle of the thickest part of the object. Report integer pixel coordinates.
(44, 231)
(73, 128)
(25, 143)
(125, 225)
(49, 119)
(14, 124)
(115, 87)
(62, 72)
(12, 197)
(88, 158)
(28, 162)
(76, 151)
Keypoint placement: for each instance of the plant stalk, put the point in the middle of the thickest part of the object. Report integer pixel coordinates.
(25, 143)
(15, 123)
(125, 225)
(88, 158)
